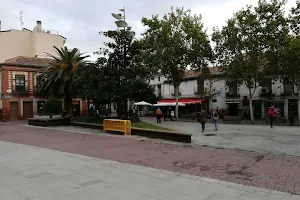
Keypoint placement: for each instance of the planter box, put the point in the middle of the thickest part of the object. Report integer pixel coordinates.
(47, 122)
(150, 133)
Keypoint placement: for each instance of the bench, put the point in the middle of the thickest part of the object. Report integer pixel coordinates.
(232, 118)
(190, 116)
(123, 126)
(278, 120)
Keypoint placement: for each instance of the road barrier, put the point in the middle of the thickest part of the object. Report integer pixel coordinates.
(123, 126)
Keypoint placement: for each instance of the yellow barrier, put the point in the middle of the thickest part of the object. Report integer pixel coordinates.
(123, 126)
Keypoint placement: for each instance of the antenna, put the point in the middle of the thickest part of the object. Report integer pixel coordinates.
(21, 19)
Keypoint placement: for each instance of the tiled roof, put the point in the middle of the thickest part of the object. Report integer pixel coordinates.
(28, 61)
(216, 70)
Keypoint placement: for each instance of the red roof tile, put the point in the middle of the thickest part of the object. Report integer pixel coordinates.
(28, 61)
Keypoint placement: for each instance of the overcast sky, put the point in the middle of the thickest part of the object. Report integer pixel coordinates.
(81, 20)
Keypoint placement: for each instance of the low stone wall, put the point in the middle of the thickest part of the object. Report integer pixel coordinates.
(47, 122)
(150, 133)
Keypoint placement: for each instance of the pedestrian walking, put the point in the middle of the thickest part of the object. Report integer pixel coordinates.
(215, 119)
(202, 119)
(172, 115)
(271, 114)
(158, 115)
(291, 118)
(165, 112)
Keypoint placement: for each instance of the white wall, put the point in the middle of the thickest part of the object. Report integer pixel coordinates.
(188, 88)
(219, 85)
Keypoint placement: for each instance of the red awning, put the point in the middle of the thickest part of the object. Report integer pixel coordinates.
(185, 101)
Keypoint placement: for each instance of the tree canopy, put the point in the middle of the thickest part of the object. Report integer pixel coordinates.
(247, 47)
(175, 42)
(58, 78)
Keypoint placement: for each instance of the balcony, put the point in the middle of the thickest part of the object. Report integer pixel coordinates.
(266, 94)
(20, 91)
(232, 95)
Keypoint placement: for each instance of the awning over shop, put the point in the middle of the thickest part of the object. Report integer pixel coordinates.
(184, 101)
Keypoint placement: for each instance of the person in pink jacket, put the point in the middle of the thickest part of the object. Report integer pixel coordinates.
(271, 114)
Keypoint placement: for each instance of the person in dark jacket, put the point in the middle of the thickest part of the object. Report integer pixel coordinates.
(202, 119)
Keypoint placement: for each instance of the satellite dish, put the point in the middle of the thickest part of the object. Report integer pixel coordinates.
(121, 24)
(116, 16)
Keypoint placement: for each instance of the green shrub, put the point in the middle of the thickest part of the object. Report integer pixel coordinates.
(52, 107)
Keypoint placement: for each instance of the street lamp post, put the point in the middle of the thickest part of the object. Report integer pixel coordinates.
(122, 24)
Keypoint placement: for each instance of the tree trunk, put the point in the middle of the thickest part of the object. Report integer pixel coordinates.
(176, 88)
(298, 105)
(251, 108)
(209, 104)
(126, 109)
(68, 106)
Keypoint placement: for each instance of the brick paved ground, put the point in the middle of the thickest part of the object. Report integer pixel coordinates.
(276, 172)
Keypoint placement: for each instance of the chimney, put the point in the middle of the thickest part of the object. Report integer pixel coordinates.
(39, 26)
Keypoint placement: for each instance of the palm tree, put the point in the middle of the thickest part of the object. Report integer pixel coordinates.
(58, 78)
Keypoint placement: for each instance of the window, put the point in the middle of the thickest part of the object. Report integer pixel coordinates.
(159, 90)
(233, 89)
(288, 88)
(200, 85)
(158, 78)
(38, 82)
(20, 83)
(214, 100)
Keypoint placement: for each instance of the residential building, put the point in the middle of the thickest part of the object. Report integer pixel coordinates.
(230, 97)
(29, 43)
(20, 99)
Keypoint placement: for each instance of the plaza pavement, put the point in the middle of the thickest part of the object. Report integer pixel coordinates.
(272, 172)
(258, 138)
(33, 173)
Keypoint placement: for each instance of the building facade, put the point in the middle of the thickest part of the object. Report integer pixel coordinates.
(20, 99)
(29, 43)
(230, 97)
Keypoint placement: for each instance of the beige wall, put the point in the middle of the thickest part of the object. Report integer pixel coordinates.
(44, 42)
(15, 43)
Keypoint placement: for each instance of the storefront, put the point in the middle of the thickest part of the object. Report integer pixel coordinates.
(233, 106)
(192, 105)
(257, 109)
(278, 104)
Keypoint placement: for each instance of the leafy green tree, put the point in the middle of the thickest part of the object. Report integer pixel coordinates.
(289, 70)
(118, 75)
(174, 43)
(58, 79)
(248, 46)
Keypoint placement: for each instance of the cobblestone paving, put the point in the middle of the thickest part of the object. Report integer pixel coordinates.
(274, 172)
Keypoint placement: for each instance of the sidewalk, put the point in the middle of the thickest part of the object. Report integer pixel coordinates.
(274, 172)
(258, 138)
(33, 173)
